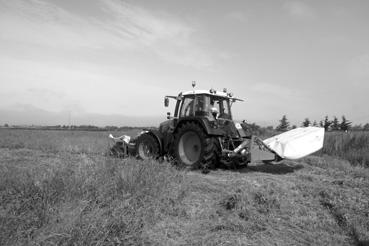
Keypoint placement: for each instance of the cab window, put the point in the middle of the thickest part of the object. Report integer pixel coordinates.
(187, 108)
(202, 105)
(222, 106)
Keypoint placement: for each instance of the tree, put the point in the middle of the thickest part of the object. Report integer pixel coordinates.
(6, 125)
(315, 123)
(335, 124)
(327, 123)
(345, 124)
(306, 122)
(283, 124)
(252, 128)
(321, 123)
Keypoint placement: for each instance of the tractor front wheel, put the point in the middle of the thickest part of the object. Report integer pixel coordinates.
(147, 147)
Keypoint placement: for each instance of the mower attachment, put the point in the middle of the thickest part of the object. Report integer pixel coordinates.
(297, 143)
(255, 150)
(120, 146)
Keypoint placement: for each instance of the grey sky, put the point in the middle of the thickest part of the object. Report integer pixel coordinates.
(300, 58)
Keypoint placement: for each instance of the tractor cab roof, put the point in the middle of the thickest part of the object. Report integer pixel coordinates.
(211, 92)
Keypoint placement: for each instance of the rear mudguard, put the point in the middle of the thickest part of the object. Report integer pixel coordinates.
(204, 123)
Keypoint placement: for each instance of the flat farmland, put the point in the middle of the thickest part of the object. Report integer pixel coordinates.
(59, 188)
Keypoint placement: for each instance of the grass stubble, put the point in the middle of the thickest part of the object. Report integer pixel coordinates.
(55, 190)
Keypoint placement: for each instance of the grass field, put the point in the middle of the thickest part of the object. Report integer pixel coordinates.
(57, 188)
(352, 146)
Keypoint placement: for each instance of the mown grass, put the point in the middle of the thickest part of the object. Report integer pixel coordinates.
(83, 200)
(59, 196)
(351, 146)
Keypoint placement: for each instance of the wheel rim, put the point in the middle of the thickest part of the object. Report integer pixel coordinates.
(189, 148)
(145, 151)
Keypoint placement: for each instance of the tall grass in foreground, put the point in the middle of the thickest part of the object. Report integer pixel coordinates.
(352, 146)
(86, 201)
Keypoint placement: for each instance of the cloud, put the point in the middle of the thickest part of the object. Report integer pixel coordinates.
(299, 10)
(275, 90)
(41, 23)
(54, 99)
(358, 67)
(45, 94)
(120, 27)
(143, 26)
(237, 16)
(165, 36)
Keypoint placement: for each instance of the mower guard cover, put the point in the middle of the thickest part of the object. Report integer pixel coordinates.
(297, 143)
(124, 138)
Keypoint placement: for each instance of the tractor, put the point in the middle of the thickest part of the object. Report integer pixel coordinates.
(202, 134)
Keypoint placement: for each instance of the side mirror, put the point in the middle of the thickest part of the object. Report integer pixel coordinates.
(166, 101)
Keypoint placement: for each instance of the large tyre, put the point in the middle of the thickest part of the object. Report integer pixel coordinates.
(193, 148)
(147, 147)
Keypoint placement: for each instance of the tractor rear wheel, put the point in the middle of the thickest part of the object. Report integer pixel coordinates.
(193, 148)
(147, 147)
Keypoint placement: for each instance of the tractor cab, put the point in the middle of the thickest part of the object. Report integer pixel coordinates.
(211, 104)
(204, 105)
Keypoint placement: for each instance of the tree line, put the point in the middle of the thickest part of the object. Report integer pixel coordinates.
(74, 127)
(329, 125)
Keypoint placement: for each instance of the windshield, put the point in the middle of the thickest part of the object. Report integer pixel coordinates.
(202, 105)
(222, 106)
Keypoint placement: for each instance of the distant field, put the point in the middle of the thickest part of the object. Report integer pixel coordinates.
(53, 141)
(57, 188)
